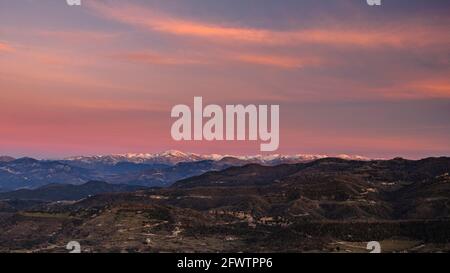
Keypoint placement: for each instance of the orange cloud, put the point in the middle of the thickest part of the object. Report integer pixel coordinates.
(417, 89)
(394, 36)
(437, 88)
(5, 47)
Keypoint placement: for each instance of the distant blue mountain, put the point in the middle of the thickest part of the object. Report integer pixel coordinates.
(29, 173)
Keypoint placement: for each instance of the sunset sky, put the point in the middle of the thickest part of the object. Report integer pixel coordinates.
(102, 78)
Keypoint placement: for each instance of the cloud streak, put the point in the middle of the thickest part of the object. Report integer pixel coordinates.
(397, 36)
(419, 89)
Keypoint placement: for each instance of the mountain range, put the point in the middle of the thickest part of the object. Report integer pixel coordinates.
(172, 157)
(161, 169)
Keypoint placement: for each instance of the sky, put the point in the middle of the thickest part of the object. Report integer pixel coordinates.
(102, 78)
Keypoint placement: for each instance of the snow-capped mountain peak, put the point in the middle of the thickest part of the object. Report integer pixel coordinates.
(173, 153)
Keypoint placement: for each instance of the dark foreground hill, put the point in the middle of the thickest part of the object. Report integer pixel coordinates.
(63, 192)
(327, 205)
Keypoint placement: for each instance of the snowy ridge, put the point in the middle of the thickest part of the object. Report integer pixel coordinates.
(173, 157)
